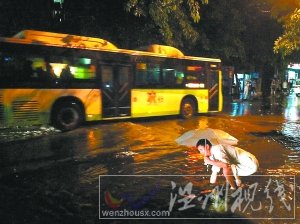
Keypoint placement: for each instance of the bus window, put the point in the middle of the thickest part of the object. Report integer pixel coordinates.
(169, 76)
(153, 76)
(66, 75)
(196, 75)
(172, 75)
(147, 74)
(107, 76)
(84, 69)
(123, 76)
(179, 78)
(24, 71)
(43, 72)
(141, 74)
(78, 72)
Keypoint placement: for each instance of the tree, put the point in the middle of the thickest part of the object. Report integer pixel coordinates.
(136, 22)
(243, 38)
(289, 41)
(288, 13)
(221, 30)
(237, 32)
(237, 36)
(172, 17)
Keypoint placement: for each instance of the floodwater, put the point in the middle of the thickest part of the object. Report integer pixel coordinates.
(92, 174)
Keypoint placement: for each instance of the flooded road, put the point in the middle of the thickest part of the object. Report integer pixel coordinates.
(52, 177)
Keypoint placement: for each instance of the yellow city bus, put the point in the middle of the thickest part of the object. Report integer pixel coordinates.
(64, 80)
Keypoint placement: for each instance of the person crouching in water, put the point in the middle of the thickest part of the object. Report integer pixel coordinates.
(234, 161)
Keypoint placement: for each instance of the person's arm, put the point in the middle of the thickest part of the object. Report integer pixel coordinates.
(217, 163)
(227, 171)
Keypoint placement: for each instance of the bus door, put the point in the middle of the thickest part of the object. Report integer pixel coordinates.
(213, 90)
(115, 91)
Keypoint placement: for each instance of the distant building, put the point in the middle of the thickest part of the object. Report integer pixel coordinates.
(292, 73)
(58, 11)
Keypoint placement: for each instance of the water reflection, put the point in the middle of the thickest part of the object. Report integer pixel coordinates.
(264, 106)
(139, 142)
(140, 147)
(291, 126)
(283, 114)
(241, 108)
(194, 123)
(289, 135)
(292, 109)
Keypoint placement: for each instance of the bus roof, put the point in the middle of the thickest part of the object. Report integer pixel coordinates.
(92, 43)
(65, 40)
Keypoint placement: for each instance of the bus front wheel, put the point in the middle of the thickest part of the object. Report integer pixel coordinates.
(187, 109)
(67, 116)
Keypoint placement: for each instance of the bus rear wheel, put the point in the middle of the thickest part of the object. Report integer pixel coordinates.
(187, 109)
(67, 116)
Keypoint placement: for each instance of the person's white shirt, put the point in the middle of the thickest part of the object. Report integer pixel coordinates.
(245, 162)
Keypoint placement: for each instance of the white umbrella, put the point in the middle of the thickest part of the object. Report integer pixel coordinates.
(215, 136)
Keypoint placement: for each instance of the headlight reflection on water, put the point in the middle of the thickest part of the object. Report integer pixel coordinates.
(291, 114)
(291, 127)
